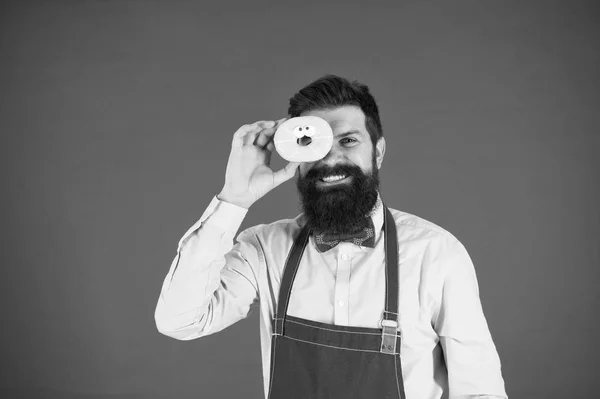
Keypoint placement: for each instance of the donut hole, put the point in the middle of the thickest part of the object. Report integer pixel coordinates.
(304, 141)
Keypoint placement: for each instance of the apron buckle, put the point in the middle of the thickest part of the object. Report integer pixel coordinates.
(389, 333)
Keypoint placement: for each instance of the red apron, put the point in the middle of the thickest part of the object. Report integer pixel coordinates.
(313, 360)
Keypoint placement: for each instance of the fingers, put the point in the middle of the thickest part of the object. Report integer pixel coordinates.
(280, 121)
(246, 134)
(270, 146)
(285, 173)
(259, 133)
(265, 136)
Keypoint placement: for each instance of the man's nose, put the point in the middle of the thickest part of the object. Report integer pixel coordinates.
(332, 157)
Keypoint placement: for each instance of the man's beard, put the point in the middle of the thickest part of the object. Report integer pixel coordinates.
(340, 208)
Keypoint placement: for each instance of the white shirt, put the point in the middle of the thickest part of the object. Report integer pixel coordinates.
(213, 283)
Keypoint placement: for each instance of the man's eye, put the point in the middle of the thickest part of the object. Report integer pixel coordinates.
(347, 139)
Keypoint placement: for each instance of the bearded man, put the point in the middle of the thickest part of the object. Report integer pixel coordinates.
(357, 299)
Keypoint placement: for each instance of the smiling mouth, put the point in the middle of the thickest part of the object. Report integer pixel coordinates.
(344, 180)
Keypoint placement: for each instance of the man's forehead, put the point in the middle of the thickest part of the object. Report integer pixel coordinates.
(341, 119)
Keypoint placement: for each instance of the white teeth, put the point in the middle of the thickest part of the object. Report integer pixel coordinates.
(333, 178)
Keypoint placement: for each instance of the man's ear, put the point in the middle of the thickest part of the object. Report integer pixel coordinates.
(379, 152)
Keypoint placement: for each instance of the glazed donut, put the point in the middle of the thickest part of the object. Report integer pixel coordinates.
(303, 139)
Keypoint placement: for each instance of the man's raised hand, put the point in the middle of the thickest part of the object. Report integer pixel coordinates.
(249, 176)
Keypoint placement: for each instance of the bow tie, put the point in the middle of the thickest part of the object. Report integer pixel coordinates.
(365, 237)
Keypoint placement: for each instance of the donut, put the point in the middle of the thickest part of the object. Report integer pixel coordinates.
(303, 139)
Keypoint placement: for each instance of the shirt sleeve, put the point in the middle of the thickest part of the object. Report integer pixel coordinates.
(211, 283)
(472, 360)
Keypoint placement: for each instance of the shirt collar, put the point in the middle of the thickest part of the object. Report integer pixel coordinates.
(377, 216)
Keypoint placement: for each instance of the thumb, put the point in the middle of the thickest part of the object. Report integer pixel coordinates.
(285, 173)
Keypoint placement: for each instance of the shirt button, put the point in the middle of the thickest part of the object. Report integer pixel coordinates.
(345, 256)
(341, 303)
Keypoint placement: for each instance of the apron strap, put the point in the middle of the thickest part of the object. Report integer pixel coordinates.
(389, 320)
(289, 274)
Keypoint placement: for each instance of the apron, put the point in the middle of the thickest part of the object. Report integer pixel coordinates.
(313, 360)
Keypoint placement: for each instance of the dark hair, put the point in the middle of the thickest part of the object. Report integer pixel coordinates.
(332, 91)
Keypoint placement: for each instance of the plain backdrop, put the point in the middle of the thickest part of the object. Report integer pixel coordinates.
(116, 119)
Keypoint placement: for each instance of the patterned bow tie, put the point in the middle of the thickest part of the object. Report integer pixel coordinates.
(365, 237)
